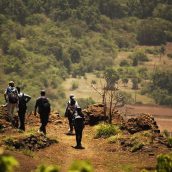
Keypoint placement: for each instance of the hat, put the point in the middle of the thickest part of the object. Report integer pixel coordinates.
(72, 96)
(11, 82)
(42, 91)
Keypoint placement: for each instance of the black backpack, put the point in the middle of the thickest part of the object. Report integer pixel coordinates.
(45, 106)
(12, 96)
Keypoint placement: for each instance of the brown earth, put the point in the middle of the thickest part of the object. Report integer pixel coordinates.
(163, 115)
(103, 156)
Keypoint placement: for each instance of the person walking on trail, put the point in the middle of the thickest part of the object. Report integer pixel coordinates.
(69, 112)
(22, 107)
(43, 105)
(11, 98)
(79, 126)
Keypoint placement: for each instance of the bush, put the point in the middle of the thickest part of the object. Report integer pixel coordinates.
(93, 82)
(138, 57)
(17, 50)
(151, 32)
(44, 168)
(153, 51)
(84, 102)
(81, 166)
(36, 19)
(75, 85)
(137, 146)
(106, 130)
(114, 139)
(7, 163)
(164, 163)
(169, 56)
(169, 142)
(124, 63)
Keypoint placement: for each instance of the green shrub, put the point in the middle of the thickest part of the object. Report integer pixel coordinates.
(50, 168)
(17, 50)
(106, 130)
(138, 57)
(136, 146)
(165, 133)
(7, 163)
(164, 163)
(169, 142)
(84, 102)
(153, 51)
(36, 19)
(75, 85)
(93, 82)
(124, 63)
(114, 139)
(81, 166)
(169, 56)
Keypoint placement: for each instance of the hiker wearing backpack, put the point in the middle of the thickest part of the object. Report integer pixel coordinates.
(79, 126)
(69, 112)
(11, 98)
(43, 105)
(22, 107)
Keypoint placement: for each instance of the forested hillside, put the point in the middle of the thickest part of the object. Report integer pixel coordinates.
(42, 42)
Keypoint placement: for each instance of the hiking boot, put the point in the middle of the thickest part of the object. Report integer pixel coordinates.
(79, 147)
(70, 132)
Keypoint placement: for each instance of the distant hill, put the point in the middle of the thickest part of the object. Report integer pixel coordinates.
(42, 42)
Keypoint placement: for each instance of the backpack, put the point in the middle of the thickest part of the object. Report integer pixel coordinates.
(22, 102)
(12, 96)
(45, 105)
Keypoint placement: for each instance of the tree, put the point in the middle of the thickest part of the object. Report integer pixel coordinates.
(112, 8)
(151, 32)
(111, 77)
(125, 81)
(75, 55)
(135, 82)
(111, 95)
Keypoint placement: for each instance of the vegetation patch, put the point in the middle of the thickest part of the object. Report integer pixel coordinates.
(106, 130)
(32, 143)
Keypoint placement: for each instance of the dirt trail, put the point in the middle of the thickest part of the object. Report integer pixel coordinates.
(103, 156)
(64, 154)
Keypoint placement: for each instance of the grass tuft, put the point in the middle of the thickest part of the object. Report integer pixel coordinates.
(106, 130)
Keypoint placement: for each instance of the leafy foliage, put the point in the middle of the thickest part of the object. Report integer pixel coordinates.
(50, 168)
(164, 163)
(160, 88)
(7, 163)
(79, 166)
(106, 130)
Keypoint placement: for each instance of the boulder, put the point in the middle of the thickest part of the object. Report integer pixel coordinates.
(140, 123)
(94, 114)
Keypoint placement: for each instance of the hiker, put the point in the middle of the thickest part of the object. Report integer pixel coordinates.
(43, 105)
(23, 100)
(11, 98)
(78, 125)
(70, 110)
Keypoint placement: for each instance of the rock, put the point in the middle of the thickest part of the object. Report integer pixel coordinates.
(140, 123)
(57, 122)
(33, 142)
(94, 114)
(151, 154)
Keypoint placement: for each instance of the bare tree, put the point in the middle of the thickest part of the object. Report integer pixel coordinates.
(110, 93)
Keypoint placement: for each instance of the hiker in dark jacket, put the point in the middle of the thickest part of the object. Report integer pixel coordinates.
(43, 105)
(79, 126)
(11, 98)
(22, 107)
(69, 112)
